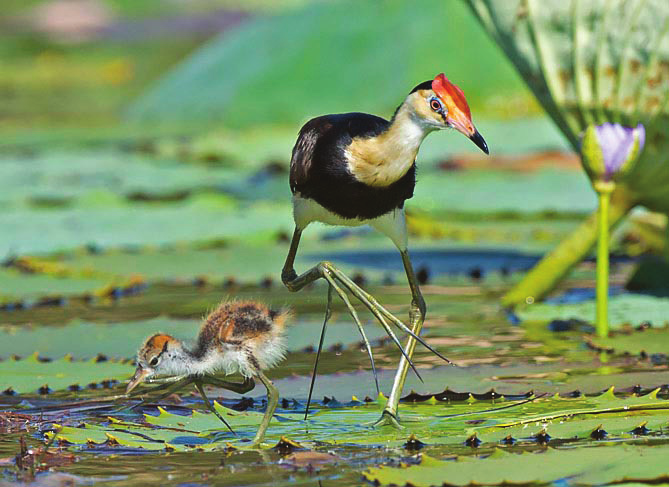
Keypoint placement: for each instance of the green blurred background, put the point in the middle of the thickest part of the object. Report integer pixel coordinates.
(145, 123)
(144, 153)
(100, 63)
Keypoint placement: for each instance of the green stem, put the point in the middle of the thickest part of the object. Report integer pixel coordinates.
(543, 277)
(602, 318)
(666, 237)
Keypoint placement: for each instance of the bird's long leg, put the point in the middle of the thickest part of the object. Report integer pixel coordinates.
(238, 387)
(417, 317)
(374, 308)
(200, 389)
(354, 314)
(294, 283)
(417, 304)
(165, 380)
(272, 401)
(170, 383)
(165, 383)
(173, 387)
(328, 313)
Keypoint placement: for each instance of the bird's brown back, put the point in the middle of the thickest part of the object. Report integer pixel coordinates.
(235, 322)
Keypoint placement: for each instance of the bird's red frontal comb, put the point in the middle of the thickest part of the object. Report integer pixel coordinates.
(445, 90)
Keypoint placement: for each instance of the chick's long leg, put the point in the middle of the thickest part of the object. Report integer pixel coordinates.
(172, 384)
(272, 401)
(238, 387)
(210, 406)
(294, 283)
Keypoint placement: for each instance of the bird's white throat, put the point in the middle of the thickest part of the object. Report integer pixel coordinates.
(380, 161)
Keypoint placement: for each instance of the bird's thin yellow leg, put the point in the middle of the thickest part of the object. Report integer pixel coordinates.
(272, 401)
(327, 270)
(417, 317)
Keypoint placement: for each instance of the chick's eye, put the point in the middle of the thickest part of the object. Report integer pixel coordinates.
(154, 361)
(435, 105)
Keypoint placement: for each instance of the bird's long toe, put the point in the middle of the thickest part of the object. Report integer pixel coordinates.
(388, 418)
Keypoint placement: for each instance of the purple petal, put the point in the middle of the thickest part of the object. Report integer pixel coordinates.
(616, 142)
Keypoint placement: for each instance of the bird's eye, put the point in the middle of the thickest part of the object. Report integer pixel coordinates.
(154, 361)
(435, 105)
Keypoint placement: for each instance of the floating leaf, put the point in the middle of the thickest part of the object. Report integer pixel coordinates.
(455, 423)
(653, 341)
(29, 374)
(624, 308)
(591, 466)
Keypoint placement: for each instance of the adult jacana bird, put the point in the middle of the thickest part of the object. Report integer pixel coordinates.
(355, 168)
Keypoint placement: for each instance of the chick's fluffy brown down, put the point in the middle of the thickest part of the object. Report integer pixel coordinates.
(235, 322)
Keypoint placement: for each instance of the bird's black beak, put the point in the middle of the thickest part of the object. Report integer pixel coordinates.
(478, 139)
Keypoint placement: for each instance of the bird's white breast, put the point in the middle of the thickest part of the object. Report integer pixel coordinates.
(306, 210)
(392, 224)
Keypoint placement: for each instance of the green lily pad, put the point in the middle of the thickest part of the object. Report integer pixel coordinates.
(102, 178)
(434, 422)
(129, 435)
(14, 284)
(189, 221)
(625, 308)
(650, 341)
(578, 418)
(29, 374)
(591, 466)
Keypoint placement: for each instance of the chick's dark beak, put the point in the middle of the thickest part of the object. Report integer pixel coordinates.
(478, 139)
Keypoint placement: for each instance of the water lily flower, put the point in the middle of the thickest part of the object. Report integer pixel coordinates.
(610, 150)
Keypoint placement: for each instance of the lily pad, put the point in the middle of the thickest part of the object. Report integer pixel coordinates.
(14, 284)
(591, 466)
(654, 341)
(29, 374)
(625, 308)
(74, 227)
(434, 422)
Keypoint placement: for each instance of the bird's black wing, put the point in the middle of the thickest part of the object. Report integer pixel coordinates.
(331, 134)
(303, 151)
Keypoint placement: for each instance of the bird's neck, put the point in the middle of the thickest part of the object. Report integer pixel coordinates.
(385, 158)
